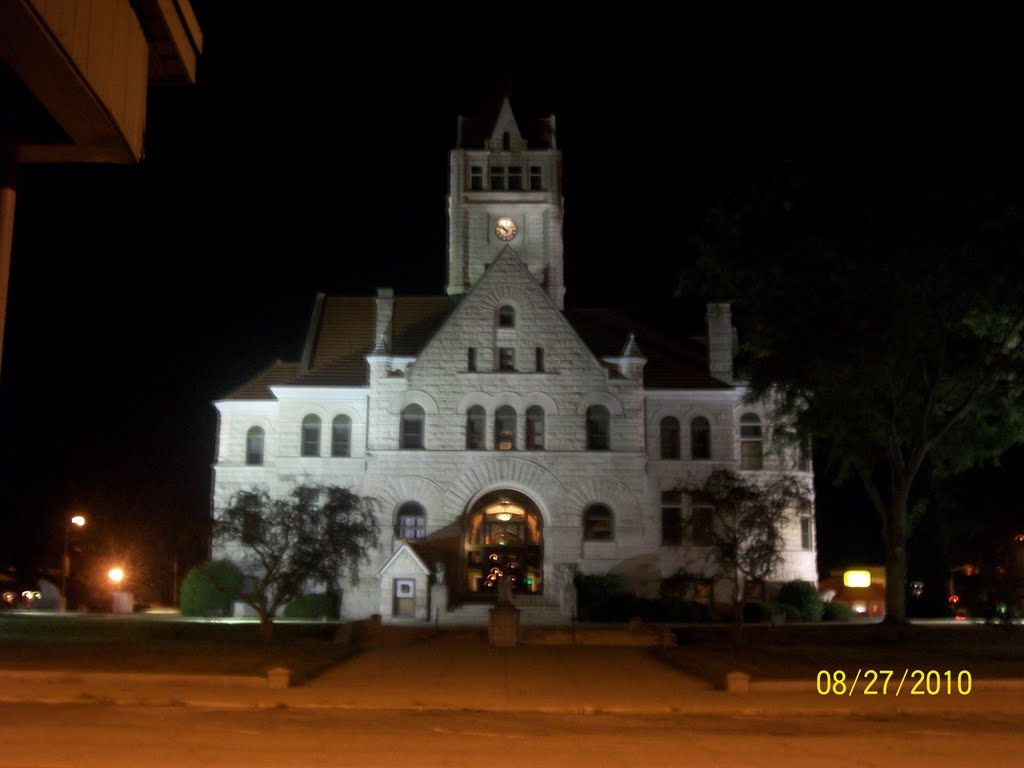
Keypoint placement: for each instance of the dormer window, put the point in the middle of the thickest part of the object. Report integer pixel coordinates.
(507, 317)
(506, 141)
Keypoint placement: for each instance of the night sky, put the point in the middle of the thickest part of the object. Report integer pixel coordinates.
(302, 163)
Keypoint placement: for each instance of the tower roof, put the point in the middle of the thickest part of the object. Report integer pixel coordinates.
(539, 132)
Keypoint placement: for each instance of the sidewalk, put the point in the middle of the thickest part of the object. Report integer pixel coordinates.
(452, 672)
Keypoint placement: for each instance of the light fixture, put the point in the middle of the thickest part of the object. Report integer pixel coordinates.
(504, 515)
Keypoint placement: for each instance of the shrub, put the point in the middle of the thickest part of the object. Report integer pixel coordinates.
(318, 606)
(803, 596)
(210, 588)
(837, 612)
(603, 597)
(757, 613)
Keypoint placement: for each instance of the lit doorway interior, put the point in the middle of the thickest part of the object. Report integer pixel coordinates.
(504, 538)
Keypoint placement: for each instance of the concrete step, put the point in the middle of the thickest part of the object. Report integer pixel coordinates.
(532, 613)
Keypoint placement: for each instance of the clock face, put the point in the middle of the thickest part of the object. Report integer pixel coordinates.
(505, 228)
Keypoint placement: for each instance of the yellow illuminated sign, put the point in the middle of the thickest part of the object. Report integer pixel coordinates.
(857, 579)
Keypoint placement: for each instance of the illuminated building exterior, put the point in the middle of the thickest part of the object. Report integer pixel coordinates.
(496, 430)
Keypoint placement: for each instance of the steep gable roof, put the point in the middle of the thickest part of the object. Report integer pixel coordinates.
(673, 362)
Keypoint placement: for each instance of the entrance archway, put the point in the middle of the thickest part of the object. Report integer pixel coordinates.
(504, 538)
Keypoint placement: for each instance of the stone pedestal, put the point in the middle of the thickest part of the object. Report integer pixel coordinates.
(504, 626)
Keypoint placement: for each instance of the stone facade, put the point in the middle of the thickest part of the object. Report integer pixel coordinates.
(498, 433)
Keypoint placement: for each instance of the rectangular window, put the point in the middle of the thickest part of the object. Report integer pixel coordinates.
(807, 532)
(471, 359)
(750, 455)
(671, 518)
(476, 178)
(506, 359)
(539, 359)
(497, 177)
(700, 526)
(515, 177)
(536, 180)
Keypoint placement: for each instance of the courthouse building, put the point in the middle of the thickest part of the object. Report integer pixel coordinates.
(498, 432)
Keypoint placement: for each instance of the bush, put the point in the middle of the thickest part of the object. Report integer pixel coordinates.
(803, 596)
(837, 612)
(602, 597)
(757, 613)
(210, 588)
(318, 606)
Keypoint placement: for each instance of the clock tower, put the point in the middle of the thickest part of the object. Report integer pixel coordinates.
(505, 189)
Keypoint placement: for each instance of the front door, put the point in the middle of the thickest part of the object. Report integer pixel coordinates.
(504, 540)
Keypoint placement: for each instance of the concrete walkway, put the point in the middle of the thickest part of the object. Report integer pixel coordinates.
(456, 672)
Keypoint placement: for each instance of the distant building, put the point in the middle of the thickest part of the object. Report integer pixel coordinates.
(499, 432)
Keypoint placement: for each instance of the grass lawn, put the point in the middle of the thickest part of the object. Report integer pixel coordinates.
(799, 652)
(164, 644)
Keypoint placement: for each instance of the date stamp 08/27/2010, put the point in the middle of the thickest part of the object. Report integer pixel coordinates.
(890, 682)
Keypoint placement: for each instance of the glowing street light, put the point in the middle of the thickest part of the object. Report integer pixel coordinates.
(78, 521)
(116, 575)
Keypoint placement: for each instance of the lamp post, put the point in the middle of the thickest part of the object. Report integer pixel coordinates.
(77, 521)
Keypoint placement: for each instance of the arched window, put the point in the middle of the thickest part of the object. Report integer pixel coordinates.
(505, 428)
(475, 425)
(506, 141)
(413, 418)
(700, 438)
(507, 317)
(341, 436)
(254, 446)
(598, 523)
(751, 451)
(669, 437)
(311, 435)
(410, 522)
(598, 421)
(535, 428)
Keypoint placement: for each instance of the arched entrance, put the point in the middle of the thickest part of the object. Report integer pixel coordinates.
(504, 537)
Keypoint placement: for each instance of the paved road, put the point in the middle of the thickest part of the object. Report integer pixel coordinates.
(97, 736)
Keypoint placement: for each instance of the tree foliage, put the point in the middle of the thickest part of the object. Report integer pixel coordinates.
(746, 536)
(210, 588)
(318, 535)
(882, 311)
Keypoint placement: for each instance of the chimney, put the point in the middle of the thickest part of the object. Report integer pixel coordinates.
(382, 329)
(720, 342)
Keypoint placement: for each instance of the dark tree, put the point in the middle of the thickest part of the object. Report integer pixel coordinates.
(318, 535)
(882, 311)
(745, 533)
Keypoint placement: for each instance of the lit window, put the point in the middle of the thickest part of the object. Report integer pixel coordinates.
(700, 438)
(254, 446)
(598, 420)
(598, 523)
(475, 421)
(671, 518)
(536, 179)
(476, 178)
(311, 435)
(410, 522)
(341, 436)
(751, 452)
(515, 178)
(701, 526)
(669, 437)
(497, 177)
(505, 428)
(506, 359)
(807, 532)
(412, 426)
(535, 428)
(506, 317)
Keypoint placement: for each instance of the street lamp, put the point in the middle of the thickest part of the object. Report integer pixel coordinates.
(116, 575)
(77, 521)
